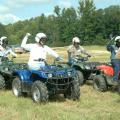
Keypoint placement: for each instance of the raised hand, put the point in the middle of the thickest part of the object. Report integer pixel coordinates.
(28, 34)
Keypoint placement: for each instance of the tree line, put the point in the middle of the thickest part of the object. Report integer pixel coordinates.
(93, 26)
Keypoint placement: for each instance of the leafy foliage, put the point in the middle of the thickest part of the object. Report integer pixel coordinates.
(91, 25)
(2, 30)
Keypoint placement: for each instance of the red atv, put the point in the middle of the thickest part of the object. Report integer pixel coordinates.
(102, 81)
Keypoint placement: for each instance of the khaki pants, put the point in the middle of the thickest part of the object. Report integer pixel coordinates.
(118, 54)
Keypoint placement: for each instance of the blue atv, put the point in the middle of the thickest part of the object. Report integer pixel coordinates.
(44, 83)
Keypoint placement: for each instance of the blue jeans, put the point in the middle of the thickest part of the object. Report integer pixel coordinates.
(116, 67)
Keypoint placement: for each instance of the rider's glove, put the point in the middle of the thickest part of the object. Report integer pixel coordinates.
(88, 55)
(59, 58)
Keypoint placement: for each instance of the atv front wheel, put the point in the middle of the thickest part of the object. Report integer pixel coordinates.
(73, 92)
(16, 87)
(99, 83)
(80, 77)
(75, 89)
(39, 92)
(2, 82)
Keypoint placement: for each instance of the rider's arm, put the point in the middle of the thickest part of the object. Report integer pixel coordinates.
(1, 48)
(9, 51)
(84, 51)
(110, 47)
(70, 51)
(1, 51)
(24, 45)
(51, 52)
(13, 53)
(1, 54)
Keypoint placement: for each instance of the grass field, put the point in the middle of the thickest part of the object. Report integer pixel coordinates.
(92, 105)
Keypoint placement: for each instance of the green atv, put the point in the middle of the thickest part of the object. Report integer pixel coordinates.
(7, 67)
(86, 70)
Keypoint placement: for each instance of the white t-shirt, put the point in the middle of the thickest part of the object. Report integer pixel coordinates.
(37, 52)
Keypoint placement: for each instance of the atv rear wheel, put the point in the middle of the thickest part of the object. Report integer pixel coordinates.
(39, 92)
(16, 87)
(73, 91)
(2, 82)
(80, 77)
(99, 83)
(118, 87)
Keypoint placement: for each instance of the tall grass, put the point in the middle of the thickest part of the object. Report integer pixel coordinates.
(92, 105)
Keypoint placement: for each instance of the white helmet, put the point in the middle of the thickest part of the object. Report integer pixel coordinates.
(1, 39)
(75, 40)
(39, 36)
(117, 39)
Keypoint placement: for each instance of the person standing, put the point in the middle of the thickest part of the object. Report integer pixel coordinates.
(115, 61)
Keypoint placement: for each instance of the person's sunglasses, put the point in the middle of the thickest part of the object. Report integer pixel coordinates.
(43, 39)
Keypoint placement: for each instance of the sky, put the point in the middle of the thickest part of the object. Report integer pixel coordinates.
(12, 11)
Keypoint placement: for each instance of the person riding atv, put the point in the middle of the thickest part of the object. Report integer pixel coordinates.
(110, 73)
(75, 50)
(42, 80)
(4, 49)
(38, 51)
(115, 61)
(77, 59)
(6, 64)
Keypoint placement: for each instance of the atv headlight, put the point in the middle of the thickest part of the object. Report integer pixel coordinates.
(69, 73)
(6, 69)
(87, 67)
(49, 75)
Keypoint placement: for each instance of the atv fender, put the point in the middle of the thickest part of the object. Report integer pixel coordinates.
(40, 74)
(30, 75)
(77, 67)
(24, 75)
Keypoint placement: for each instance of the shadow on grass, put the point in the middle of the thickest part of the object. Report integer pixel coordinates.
(113, 89)
(89, 82)
(57, 98)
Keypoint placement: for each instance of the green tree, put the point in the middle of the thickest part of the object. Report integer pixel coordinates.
(112, 20)
(2, 30)
(57, 10)
(85, 10)
(68, 25)
(90, 25)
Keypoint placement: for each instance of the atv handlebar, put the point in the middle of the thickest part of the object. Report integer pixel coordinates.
(58, 59)
(82, 59)
(4, 58)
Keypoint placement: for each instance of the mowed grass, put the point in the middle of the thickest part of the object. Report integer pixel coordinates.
(92, 105)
